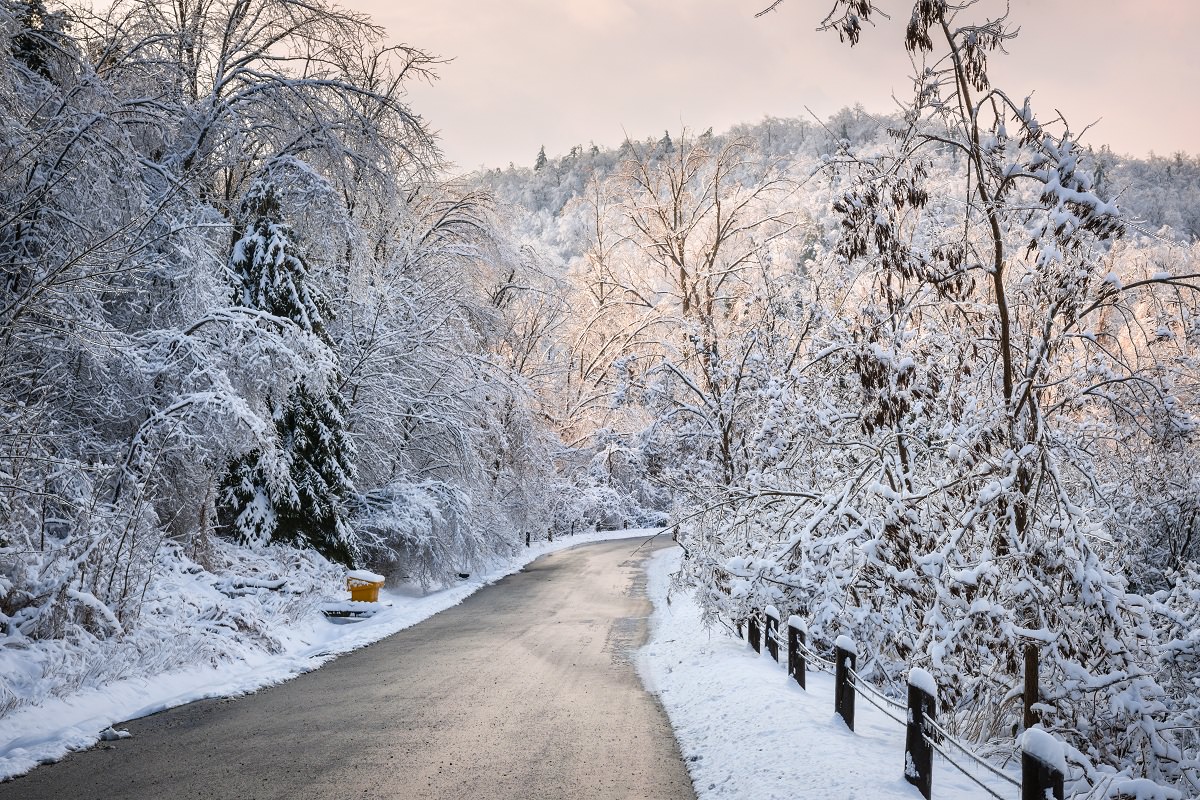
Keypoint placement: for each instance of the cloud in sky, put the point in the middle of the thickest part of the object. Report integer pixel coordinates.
(566, 72)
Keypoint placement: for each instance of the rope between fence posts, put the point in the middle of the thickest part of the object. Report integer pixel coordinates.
(959, 767)
(974, 756)
(859, 680)
(811, 656)
(818, 663)
(867, 691)
(886, 713)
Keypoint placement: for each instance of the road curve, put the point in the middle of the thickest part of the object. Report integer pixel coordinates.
(525, 691)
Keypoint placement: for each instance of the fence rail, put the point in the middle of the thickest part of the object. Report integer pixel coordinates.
(1041, 760)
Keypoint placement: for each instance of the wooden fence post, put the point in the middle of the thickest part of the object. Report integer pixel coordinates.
(1031, 685)
(845, 654)
(796, 666)
(741, 634)
(755, 630)
(918, 753)
(1042, 766)
(773, 632)
(527, 538)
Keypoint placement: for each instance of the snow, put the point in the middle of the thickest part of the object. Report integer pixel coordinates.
(57, 726)
(844, 642)
(746, 730)
(798, 623)
(365, 575)
(1045, 748)
(111, 734)
(1140, 789)
(922, 680)
(352, 607)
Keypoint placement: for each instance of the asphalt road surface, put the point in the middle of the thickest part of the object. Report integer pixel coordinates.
(525, 691)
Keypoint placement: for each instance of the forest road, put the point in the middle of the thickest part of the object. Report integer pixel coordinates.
(526, 690)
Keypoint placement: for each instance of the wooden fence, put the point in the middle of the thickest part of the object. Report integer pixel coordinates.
(1042, 770)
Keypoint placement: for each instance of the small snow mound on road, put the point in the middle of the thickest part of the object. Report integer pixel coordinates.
(111, 734)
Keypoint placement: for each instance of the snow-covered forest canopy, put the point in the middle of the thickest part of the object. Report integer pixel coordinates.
(928, 379)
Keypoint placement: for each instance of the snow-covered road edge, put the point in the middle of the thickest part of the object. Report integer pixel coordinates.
(51, 730)
(746, 730)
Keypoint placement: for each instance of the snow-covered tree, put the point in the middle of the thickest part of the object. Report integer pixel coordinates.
(39, 33)
(972, 419)
(303, 500)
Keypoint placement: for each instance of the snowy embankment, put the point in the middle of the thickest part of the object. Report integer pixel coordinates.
(293, 637)
(747, 730)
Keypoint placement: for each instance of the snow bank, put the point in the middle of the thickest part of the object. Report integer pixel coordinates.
(746, 730)
(53, 726)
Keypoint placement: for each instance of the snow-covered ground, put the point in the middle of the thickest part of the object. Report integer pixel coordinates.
(747, 730)
(56, 725)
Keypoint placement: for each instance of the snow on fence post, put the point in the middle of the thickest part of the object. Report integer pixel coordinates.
(1043, 766)
(755, 632)
(773, 632)
(845, 654)
(796, 666)
(918, 752)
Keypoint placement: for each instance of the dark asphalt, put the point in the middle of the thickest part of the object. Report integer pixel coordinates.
(524, 691)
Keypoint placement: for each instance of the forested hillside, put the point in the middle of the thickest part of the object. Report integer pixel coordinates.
(927, 379)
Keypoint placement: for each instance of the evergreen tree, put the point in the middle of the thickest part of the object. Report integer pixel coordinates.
(665, 145)
(541, 158)
(306, 506)
(34, 42)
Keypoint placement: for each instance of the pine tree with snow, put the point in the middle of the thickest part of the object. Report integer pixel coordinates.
(541, 158)
(305, 506)
(38, 32)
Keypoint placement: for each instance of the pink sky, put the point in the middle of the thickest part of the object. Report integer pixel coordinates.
(565, 72)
